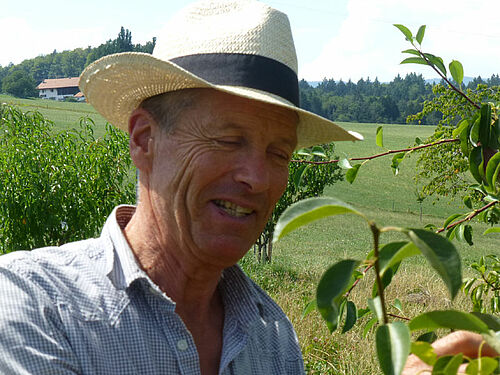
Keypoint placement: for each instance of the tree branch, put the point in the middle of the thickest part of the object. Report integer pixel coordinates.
(452, 86)
(379, 155)
(468, 217)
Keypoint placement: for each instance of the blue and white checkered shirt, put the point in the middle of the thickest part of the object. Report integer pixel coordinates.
(88, 308)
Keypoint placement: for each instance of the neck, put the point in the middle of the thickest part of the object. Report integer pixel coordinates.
(188, 282)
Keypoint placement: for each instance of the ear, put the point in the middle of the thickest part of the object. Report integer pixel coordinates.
(141, 126)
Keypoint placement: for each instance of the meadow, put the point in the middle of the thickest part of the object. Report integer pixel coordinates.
(300, 258)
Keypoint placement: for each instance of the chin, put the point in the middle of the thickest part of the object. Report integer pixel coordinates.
(228, 251)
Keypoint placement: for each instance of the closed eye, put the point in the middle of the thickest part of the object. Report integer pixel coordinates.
(229, 141)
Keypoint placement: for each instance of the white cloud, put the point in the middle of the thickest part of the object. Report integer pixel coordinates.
(23, 41)
(368, 45)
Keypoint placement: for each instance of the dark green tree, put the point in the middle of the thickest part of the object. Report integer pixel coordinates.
(19, 83)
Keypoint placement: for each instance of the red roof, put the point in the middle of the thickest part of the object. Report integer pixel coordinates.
(56, 83)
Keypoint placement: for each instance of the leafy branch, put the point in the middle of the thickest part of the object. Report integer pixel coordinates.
(468, 217)
(371, 157)
(435, 62)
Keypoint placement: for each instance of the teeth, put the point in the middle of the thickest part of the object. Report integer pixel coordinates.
(233, 209)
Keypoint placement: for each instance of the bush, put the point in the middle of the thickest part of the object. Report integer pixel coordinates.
(57, 187)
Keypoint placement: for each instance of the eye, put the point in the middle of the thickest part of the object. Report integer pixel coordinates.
(281, 155)
(229, 141)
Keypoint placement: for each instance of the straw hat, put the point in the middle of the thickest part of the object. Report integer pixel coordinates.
(242, 47)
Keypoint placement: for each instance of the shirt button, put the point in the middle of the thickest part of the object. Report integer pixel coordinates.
(182, 345)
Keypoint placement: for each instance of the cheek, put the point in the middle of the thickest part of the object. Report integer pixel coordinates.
(279, 183)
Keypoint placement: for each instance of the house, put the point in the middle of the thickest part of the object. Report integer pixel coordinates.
(59, 88)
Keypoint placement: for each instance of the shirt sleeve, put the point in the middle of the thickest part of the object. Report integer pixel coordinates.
(32, 339)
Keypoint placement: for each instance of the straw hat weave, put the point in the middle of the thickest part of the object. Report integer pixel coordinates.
(242, 47)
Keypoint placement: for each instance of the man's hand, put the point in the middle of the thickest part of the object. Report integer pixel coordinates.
(464, 342)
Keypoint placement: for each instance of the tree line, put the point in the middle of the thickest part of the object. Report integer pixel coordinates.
(376, 102)
(363, 101)
(21, 79)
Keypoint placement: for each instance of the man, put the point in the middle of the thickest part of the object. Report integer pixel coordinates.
(213, 120)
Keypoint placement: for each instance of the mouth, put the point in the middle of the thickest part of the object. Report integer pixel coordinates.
(232, 208)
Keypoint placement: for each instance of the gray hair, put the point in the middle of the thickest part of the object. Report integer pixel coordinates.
(166, 108)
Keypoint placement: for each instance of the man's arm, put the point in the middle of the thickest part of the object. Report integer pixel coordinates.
(32, 340)
(464, 342)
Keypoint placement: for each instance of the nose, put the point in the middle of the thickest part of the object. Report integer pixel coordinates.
(254, 172)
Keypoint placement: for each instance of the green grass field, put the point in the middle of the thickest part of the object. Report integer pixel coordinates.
(300, 258)
(64, 114)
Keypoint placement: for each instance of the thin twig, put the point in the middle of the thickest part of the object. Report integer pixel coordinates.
(346, 295)
(493, 288)
(380, 155)
(452, 86)
(468, 217)
(399, 317)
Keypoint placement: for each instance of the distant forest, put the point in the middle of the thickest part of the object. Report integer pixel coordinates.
(363, 101)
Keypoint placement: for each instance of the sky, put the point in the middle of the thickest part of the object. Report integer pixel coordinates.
(339, 39)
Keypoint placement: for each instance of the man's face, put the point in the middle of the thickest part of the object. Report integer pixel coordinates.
(217, 177)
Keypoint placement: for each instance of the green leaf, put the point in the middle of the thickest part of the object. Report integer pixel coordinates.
(468, 234)
(441, 255)
(414, 60)
(420, 34)
(418, 141)
(429, 337)
(424, 351)
(411, 51)
(447, 365)
(492, 230)
(450, 219)
(457, 71)
(461, 127)
(344, 163)
(394, 252)
(485, 124)
(437, 61)
(303, 152)
(331, 286)
(493, 169)
(492, 321)
(309, 308)
(307, 211)
(299, 175)
(481, 366)
(351, 174)
(396, 160)
(380, 137)
(475, 161)
(319, 151)
(468, 201)
(393, 346)
(493, 339)
(369, 325)
(406, 32)
(474, 130)
(375, 306)
(397, 304)
(451, 319)
(351, 317)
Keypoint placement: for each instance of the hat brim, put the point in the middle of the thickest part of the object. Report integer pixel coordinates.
(116, 84)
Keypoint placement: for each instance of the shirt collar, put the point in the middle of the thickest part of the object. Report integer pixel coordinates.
(124, 269)
(240, 295)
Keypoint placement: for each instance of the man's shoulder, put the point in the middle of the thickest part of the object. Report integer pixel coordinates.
(55, 271)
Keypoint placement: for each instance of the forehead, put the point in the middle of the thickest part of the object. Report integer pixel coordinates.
(239, 111)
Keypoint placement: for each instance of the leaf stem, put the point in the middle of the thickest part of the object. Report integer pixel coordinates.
(376, 235)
